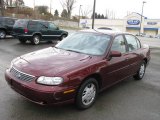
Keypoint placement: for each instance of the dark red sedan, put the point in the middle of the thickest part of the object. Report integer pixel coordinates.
(78, 68)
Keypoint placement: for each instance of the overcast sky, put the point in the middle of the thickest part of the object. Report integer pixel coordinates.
(118, 7)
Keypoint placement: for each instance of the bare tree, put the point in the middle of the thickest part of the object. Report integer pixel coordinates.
(68, 5)
(2, 7)
(86, 12)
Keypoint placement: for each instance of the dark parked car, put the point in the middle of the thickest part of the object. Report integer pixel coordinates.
(36, 31)
(78, 68)
(6, 26)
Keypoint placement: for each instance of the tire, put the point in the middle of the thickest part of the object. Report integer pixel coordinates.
(140, 73)
(22, 41)
(2, 34)
(63, 36)
(36, 39)
(87, 94)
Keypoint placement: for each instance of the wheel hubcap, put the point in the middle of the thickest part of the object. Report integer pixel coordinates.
(36, 40)
(142, 70)
(89, 94)
(2, 34)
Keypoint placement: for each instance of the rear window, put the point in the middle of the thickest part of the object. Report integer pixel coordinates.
(21, 24)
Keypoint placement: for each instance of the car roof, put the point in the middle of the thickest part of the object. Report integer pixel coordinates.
(34, 20)
(7, 17)
(102, 31)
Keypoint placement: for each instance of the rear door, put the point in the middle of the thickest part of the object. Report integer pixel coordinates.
(134, 53)
(117, 67)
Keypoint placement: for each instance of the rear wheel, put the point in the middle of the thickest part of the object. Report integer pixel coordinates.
(36, 39)
(140, 73)
(22, 41)
(87, 94)
(2, 34)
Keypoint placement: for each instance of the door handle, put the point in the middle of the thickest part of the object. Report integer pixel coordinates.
(127, 59)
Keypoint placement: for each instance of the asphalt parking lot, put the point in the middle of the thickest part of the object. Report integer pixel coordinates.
(128, 100)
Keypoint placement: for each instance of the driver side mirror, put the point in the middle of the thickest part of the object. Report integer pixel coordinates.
(115, 54)
(57, 28)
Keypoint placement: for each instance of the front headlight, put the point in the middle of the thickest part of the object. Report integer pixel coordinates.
(49, 80)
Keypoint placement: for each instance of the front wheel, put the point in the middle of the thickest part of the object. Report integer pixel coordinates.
(140, 73)
(36, 39)
(62, 37)
(87, 94)
(2, 34)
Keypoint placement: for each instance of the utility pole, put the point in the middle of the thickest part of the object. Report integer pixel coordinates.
(141, 17)
(79, 15)
(94, 7)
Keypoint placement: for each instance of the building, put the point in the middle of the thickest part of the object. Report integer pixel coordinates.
(130, 23)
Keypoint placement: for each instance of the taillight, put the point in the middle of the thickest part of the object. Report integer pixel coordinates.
(25, 30)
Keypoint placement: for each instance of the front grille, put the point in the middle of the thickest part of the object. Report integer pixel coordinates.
(21, 76)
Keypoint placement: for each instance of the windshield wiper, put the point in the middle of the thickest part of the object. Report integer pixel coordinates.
(72, 51)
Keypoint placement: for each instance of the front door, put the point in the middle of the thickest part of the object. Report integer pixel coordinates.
(53, 31)
(44, 30)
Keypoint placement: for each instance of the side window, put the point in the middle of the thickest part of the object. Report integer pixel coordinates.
(1, 20)
(132, 42)
(10, 22)
(43, 25)
(32, 25)
(52, 26)
(119, 44)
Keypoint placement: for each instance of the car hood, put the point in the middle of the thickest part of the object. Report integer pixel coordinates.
(50, 62)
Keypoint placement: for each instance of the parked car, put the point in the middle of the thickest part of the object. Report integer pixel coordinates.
(157, 36)
(6, 26)
(108, 28)
(78, 68)
(36, 31)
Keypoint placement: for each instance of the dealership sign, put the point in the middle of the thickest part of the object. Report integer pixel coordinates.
(133, 22)
(151, 23)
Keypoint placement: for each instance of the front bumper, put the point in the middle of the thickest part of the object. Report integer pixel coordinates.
(40, 94)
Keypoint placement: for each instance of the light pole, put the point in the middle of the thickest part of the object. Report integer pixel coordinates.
(34, 9)
(50, 6)
(94, 7)
(79, 15)
(141, 17)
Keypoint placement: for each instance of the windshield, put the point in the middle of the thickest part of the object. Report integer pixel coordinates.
(20, 23)
(87, 43)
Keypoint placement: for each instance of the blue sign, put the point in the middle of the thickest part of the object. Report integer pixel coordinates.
(133, 22)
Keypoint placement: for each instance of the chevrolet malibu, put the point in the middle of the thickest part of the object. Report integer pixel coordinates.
(78, 68)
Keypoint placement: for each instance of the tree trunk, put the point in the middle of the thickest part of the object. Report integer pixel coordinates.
(2, 7)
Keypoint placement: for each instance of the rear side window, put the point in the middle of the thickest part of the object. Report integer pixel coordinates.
(1, 20)
(133, 42)
(43, 25)
(32, 25)
(9, 21)
(21, 24)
